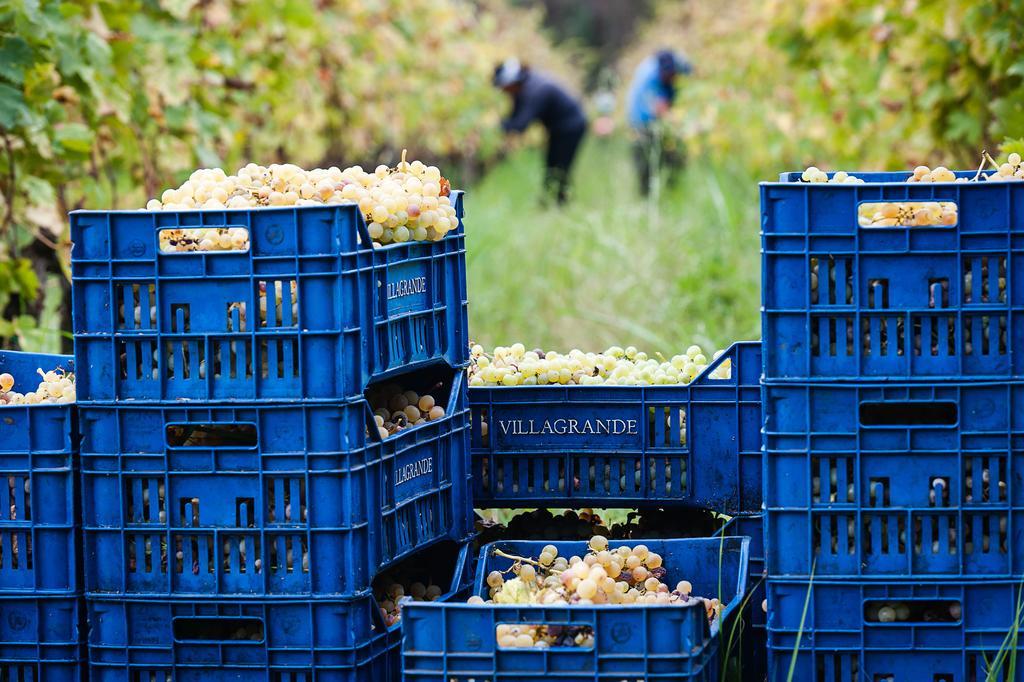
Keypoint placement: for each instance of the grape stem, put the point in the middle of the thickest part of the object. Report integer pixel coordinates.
(524, 560)
(984, 159)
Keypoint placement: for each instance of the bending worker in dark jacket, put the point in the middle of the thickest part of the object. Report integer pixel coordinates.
(536, 97)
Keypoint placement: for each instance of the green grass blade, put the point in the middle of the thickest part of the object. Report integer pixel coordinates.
(800, 632)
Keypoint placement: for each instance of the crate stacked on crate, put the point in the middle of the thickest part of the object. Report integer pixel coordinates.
(41, 629)
(894, 427)
(238, 496)
(672, 450)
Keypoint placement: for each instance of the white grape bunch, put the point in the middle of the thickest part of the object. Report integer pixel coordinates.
(395, 410)
(399, 593)
(410, 202)
(56, 387)
(515, 366)
(620, 576)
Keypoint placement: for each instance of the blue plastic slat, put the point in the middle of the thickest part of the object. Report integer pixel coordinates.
(41, 638)
(311, 506)
(846, 302)
(38, 524)
(695, 445)
(288, 640)
(457, 641)
(311, 309)
(894, 480)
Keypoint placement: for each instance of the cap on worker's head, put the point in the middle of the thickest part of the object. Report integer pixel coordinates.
(671, 63)
(508, 73)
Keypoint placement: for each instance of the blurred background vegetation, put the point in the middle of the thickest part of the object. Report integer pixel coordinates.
(103, 104)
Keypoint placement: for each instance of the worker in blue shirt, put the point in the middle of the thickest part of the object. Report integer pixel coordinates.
(650, 96)
(535, 97)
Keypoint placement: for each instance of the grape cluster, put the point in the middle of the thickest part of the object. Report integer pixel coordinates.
(1011, 170)
(813, 174)
(397, 594)
(395, 410)
(516, 366)
(410, 202)
(622, 576)
(56, 387)
(539, 524)
(907, 213)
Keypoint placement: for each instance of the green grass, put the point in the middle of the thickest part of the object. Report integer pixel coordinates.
(612, 267)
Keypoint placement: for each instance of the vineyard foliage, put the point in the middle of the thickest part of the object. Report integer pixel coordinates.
(103, 104)
(866, 84)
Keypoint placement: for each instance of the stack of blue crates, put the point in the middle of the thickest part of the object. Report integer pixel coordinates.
(238, 500)
(894, 431)
(41, 608)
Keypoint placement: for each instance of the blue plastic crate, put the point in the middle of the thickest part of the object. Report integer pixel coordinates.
(842, 301)
(842, 638)
(37, 485)
(311, 309)
(456, 642)
(310, 506)
(895, 480)
(41, 639)
(132, 640)
(697, 445)
(751, 637)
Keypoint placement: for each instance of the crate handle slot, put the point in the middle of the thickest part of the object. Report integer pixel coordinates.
(223, 239)
(911, 413)
(907, 213)
(207, 629)
(205, 435)
(905, 611)
(565, 634)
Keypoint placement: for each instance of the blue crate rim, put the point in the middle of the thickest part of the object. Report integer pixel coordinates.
(792, 178)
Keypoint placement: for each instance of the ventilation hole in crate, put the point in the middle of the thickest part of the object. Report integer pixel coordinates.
(140, 549)
(909, 413)
(878, 491)
(912, 611)
(136, 306)
(286, 500)
(19, 488)
(279, 303)
(189, 356)
(938, 491)
(137, 675)
(211, 435)
(240, 553)
(15, 550)
(181, 318)
(290, 676)
(235, 316)
(943, 677)
(137, 360)
(145, 500)
(814, 280)
(479, 423)
(991, 484)
(884, 534)
(232, 359)
(935, 534)
(245, 512)
(837, 668)
(218, 629)
(279, 358)
(188, 508)
(938, 292)
(883, 677)
(485, 472)
(288, 553)
(985, 534)
(193, 554)
(878, 293)
(834, 534)
(567, 636)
